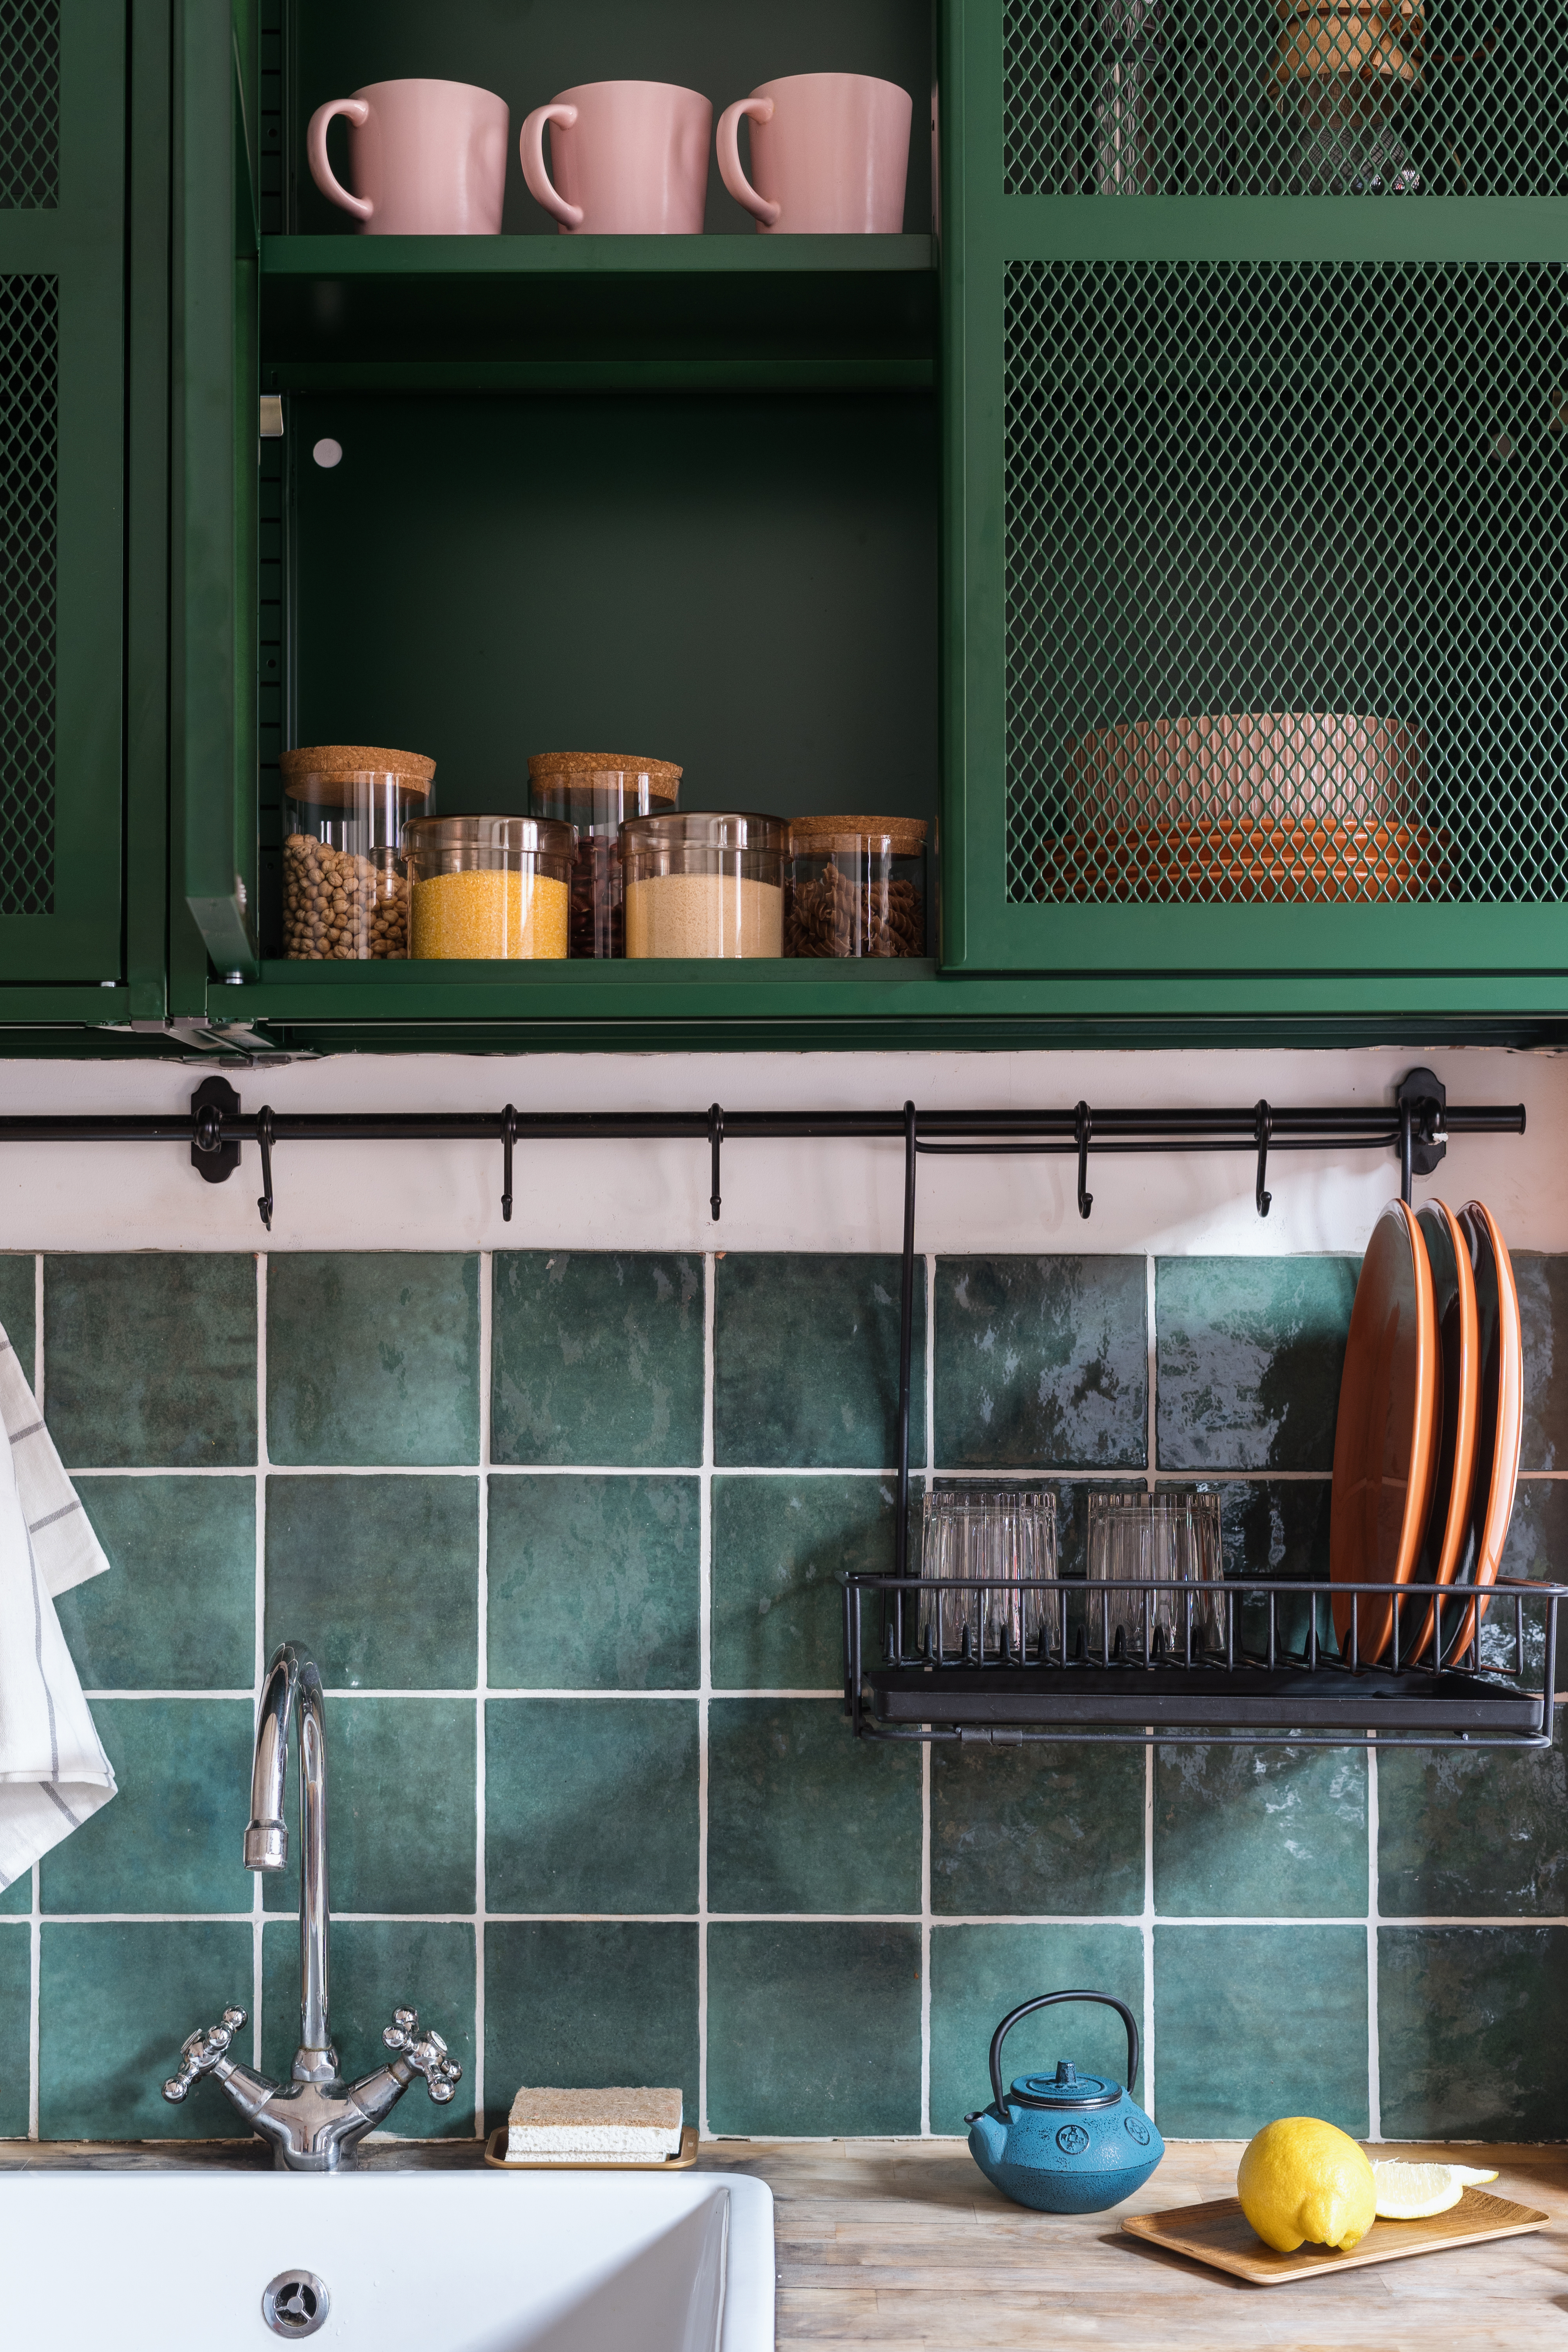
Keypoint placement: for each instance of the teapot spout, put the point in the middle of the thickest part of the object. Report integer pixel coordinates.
(987, 2138)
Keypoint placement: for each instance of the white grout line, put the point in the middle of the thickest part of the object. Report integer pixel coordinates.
(257, 1887)
(35, 1989)
(1223, 1474)
(1147, 1926)
(705, 1668)
(486, 1326)
(925, 1939)
(940, 1921)
(35, 1930)
(1150, 1455)
(471, 1690)
(1151, 1434)
(925, 1745)
(1374, 2053)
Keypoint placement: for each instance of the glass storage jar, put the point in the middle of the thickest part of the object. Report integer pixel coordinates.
(481, 887)
(345, 891)
(706, 884)
(857, 886)
(596, 792)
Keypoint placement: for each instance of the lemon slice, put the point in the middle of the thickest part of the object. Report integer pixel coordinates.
(1467, 2174)
(1413, 2192)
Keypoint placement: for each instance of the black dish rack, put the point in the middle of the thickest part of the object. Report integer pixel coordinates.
(1070, 1678)
(1436, 1673)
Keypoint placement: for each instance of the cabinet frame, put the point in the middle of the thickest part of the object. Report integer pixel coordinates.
(1521, 948)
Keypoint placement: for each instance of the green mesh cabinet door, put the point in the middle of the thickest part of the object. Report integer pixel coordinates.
(1256, 404)
(62, 408)
(215, 518)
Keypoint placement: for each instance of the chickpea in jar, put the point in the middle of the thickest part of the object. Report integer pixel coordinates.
(345, 883)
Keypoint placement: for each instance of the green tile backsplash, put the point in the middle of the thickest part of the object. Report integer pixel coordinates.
(1249, 1355)
(372, 1357)
(595, 1807)
(979, 1973)
(635, 1543)
(834, 1320)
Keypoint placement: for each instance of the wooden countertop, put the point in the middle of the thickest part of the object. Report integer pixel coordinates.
(906, 2243)
(896, 2242)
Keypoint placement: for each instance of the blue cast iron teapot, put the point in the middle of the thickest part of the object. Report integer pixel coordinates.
(1065, 2143)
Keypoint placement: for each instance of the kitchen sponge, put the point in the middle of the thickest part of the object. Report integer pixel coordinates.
(616, 2126)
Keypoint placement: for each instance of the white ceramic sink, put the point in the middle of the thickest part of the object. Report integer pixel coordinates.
(412, 2261)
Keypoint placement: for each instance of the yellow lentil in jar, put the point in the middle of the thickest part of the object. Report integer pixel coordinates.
(482, 913)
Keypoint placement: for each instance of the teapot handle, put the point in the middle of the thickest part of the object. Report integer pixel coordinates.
(1046, 2001)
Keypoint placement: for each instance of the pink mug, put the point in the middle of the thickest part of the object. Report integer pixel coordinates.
(830, 154)
(631, 158)
(428, 158)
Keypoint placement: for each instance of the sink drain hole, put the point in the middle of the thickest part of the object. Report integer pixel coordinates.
(295, 2304)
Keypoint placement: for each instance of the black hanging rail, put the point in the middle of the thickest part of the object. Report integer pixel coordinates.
(1417, 1126)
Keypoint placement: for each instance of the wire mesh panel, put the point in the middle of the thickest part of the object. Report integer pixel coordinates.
(1285, 97)
(1286, 603)
(29, 104)
(30, 338)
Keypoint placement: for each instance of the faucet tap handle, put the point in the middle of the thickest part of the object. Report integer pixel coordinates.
(425, 2052)
(201, 2052)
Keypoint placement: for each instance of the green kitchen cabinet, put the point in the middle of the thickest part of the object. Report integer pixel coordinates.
(1181, 398)
(64, 78)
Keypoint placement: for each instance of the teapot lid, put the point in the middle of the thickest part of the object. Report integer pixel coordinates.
(1065, 2088)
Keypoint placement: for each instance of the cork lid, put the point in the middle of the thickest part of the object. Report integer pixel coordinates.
(327, 772)
(663, 775)
(906, 835)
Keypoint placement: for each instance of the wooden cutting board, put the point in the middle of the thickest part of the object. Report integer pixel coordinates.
(1221, 2235)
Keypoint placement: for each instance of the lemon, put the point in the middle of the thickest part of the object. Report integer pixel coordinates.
(1413, 2192)
(1301, 2179)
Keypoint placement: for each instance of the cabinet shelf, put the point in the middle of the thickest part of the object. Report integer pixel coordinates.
(563, 314)
(800, 1005)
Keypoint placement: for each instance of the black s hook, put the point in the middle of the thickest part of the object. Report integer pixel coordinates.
(264, 1137)
(1083, 1128)
(1262, 1130)
(508, 1137)
(716, 1139)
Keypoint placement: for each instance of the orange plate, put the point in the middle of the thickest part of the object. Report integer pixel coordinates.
(1458, 1410)
(1384, 1449)
(1502, 1356)
(1312, 861)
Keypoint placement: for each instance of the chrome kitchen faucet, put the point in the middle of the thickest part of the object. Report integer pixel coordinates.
(315, 2121)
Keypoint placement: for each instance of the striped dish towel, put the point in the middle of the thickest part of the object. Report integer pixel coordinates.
(53, 1772)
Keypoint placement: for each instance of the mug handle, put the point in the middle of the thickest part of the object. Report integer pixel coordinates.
(356, 111)
(530, 148)
(759, 110)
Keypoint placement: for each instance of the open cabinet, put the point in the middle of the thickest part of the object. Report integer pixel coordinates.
(1181, 525)
(679, 495)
